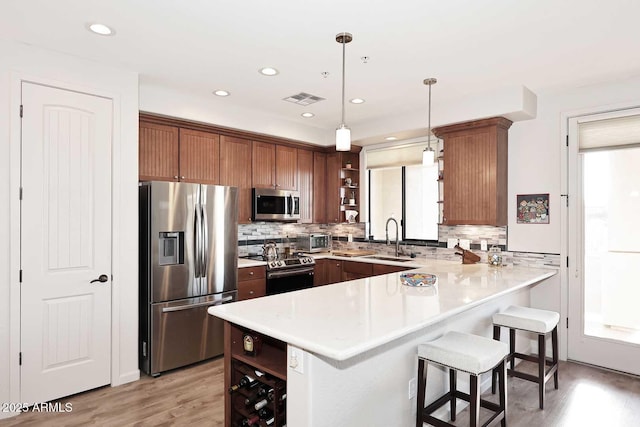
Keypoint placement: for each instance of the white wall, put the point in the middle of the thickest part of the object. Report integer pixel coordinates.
(18, 61)
(535, 161)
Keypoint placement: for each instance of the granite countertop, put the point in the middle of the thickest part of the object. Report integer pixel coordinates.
(345, 319)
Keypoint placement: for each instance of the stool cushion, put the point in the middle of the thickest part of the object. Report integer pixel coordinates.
(464, 352)
(528, 319)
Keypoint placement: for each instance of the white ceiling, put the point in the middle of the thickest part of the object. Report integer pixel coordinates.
(470, 46)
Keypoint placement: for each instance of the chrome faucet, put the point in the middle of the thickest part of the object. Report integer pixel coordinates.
(386, 230)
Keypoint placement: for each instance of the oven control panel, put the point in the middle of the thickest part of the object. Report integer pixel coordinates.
(290, 262)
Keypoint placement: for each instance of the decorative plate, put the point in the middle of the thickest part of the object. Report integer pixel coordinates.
(418, 279)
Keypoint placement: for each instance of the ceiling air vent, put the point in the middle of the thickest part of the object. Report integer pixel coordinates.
(303, 98)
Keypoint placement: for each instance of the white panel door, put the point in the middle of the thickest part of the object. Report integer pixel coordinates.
(65, 243)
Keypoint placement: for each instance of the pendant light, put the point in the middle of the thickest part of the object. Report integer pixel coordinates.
(343, 133)
(428, 155)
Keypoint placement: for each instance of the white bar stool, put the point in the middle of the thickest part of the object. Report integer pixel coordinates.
(467, 353)
(537, 321)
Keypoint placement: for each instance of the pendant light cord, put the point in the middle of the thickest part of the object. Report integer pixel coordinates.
(429, 120)
(343, 78)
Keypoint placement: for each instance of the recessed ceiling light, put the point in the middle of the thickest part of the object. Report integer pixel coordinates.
(357, 101)
(391, 138)
(268, 71)
(221, 93)
(101, 29)
(307, 115)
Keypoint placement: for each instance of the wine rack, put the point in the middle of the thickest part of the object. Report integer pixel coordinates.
(267, 367)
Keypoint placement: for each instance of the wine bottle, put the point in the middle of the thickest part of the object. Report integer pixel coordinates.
(253, 420)
(269, 397)
(267, 415)
(244, 381)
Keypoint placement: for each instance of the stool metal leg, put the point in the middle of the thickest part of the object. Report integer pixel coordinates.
(474, 402)
(453, 387)
(512, 348)
(541, 367)
(494, 373)
(422, 385)
(554, 347)
(502, 375)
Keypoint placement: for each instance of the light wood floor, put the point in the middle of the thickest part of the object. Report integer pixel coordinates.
(194, 396)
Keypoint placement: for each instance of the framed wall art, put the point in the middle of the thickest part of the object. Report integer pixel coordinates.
(533, 208)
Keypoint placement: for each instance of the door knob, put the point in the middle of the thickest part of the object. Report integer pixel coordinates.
(103, 278)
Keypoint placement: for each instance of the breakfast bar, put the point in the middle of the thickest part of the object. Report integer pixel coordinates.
(351, 346)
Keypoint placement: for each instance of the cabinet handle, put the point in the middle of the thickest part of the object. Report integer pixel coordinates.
(182, 177)
(251, 273)
(251, 292)
(175, 177)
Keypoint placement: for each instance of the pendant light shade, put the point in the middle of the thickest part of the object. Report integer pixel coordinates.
(343, 138)
(428, 155)
(343, 133)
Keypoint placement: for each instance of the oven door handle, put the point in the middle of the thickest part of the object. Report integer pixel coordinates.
(296, 272)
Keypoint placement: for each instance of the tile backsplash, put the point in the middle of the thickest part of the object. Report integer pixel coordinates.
(251, 237)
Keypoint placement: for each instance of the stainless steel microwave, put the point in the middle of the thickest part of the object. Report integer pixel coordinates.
(311, 242)
(275, 205)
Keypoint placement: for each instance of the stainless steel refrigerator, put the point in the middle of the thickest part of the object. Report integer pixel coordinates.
(188, 262)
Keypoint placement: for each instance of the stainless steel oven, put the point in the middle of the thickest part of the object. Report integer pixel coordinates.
(291, 279)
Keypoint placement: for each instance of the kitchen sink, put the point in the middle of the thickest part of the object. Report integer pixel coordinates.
(390, 258)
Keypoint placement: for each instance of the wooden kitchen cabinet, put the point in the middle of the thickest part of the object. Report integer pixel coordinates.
(158, 152)
(274, 166)
(475, 172)
(356, 270)
(170, 153)
(235, 158)
(319, 187)
(320, 272)
(305, 185)
(334, 271)
(332, 201)
(252, 282)
(379, 269)
(199, 157)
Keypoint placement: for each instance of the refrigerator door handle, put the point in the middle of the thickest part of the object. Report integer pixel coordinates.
(204, 249)
(197, 240)
(200, 304)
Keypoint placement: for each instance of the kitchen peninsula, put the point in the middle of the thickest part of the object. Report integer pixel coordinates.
(351, 347)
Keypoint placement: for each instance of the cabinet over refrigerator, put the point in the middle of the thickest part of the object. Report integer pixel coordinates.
(188, 262)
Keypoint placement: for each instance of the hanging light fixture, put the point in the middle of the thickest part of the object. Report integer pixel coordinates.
(343, 133)
(428, 155)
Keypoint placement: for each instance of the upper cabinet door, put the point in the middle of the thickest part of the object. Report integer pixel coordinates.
(319, 187)
(158, 152)
(286, 168)
(333, 188)
(235, 158)
(305, 185)
(263, 170)
(199, 157)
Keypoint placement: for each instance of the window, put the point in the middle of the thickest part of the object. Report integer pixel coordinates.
(410, 195)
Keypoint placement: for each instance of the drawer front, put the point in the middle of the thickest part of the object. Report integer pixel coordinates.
(251, 273)
(360, 268)
(251, 289)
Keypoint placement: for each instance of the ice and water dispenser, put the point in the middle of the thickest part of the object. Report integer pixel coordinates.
(171, 248)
